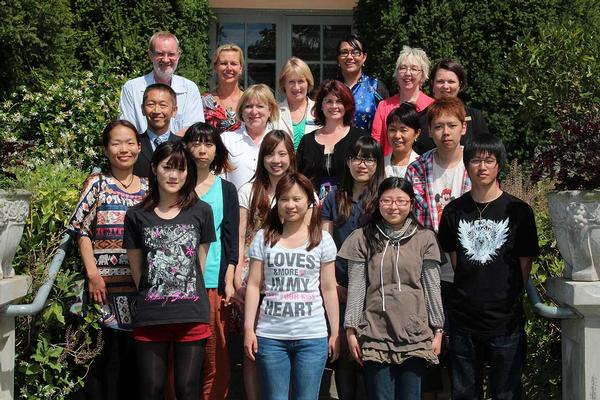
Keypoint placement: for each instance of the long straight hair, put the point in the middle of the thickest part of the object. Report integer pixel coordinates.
(368, 147)
(273, 225)
(260, 203)
(179, 158)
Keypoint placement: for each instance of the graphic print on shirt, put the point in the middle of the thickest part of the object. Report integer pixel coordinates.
(442, 199)
(171, 262)
(482, 238)
(289, 292)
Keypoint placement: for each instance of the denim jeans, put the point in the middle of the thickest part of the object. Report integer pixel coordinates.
(505, 355)
(299, 362)
(394, 381)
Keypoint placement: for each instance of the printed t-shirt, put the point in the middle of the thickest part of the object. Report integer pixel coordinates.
(292, 307)
(171, 288)
(488, 282)
(214, 198)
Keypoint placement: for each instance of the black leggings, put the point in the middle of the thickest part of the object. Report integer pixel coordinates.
(153, 364)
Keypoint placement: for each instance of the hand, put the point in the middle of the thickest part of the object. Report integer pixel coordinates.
(229, 293)
(436, 345)
(97, 289)
(342, 293)
(354, 346)
(333, 347)
(250, 344)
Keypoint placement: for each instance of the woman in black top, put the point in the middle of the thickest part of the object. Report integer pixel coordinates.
(322, 153)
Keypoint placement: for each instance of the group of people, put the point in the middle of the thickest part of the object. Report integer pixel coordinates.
(356, 229)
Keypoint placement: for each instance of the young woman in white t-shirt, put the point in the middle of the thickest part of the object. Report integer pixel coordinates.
(294, 262)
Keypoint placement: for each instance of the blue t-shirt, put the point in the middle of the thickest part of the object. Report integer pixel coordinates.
(214, 198)
(341, 232)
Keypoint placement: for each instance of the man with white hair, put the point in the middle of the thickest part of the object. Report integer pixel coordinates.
(164, 53)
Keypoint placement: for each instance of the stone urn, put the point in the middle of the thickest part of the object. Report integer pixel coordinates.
(575, 216)
(14, 208)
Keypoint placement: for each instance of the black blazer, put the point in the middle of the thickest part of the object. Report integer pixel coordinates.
(229, 231)
(141, 167)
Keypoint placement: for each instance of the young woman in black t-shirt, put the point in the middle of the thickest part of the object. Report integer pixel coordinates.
(167, 237)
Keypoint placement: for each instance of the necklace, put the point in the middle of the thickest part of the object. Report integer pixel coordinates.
(481, 211)
(126, 186)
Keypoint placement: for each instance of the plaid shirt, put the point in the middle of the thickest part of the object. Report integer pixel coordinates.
(420, 173)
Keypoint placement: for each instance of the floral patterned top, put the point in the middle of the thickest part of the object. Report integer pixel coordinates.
(217, 116)
(368, 92)
(100, 215)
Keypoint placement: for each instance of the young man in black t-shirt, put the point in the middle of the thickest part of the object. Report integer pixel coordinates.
(491, 238)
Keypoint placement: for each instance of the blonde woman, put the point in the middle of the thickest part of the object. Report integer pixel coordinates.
(296, 81)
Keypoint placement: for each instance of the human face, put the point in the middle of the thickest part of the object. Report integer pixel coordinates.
(123, 148)
(483, 169)
(409, 75)
(350, 59)
(228, 67)
(362, 168)
(446, 131)
(203, 153)
(401, 137)
(255, 115)
(445, 84)
(278, 162)
(165, 57)
(394, 206)
(170, 179)
(333, 107)
(159, 109)
(295, 87)
(292, 205)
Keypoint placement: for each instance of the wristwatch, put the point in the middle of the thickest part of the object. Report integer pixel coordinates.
(438, 330)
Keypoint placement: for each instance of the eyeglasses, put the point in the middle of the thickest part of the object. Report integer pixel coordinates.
(488, 162)
(399, 202)
(346, 53)
(369, 162)
(161, 54)
(403, 69)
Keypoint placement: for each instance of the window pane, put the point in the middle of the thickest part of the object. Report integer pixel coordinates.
(306, 42)
(261, 41)
(332, 34)
(315, 69)
(261, 73)
(330, 71)
(230, 33)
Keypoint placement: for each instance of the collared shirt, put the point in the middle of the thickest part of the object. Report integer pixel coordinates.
(189, 102)
(152, 136)
(420, 174)
(368, 92)
(243, 154)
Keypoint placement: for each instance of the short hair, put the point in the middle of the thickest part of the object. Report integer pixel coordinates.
(228, 47)
(340, 90)
(406, 114)
(420, 57)
(203, 132)
(162, 87)
(263, 93)
(294, 65)
(485, 144)
(452, 65)
(446, 105)
(162, 35)
(355, 41)
(112, 125)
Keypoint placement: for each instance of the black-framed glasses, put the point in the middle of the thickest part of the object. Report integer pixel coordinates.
(345, 53)
(368, 161)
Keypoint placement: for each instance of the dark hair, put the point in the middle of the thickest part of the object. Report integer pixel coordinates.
(452, 65)
(163, 88)
(273, 225)
(260, 204)
(354, 41)
(405, 114)
(340, 90)
(179, 158)
(446, 105)
(370, 229)
(485, 144)
(205, 133)
(112, 125)
(365, 146)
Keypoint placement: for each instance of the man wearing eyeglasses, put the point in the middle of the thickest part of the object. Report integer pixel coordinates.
(164, 53)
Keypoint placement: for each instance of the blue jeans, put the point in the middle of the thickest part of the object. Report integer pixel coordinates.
(505, 355)
(300, 361)
(394, 381)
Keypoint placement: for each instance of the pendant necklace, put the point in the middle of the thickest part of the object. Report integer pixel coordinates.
(123, 183)
(481, 211)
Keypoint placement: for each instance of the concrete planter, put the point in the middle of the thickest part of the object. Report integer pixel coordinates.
(14, 208)
(575, 216)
